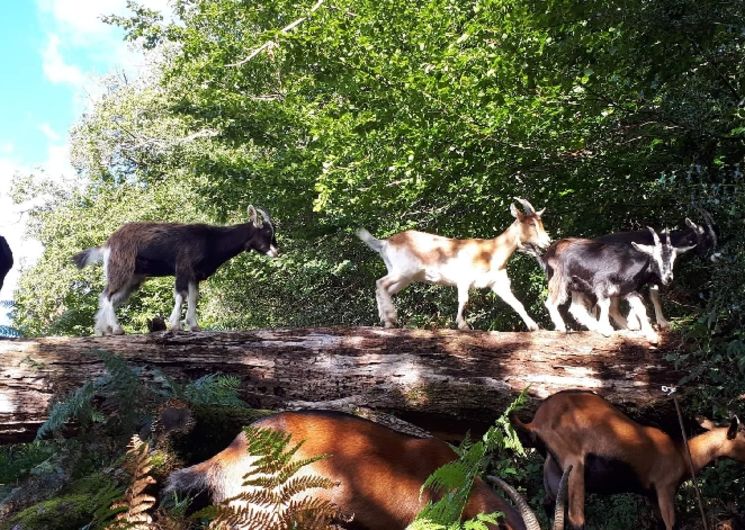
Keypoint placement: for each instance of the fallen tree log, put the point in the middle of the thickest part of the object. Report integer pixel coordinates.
(445, 381)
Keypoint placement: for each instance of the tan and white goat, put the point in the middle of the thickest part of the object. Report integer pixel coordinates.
(413, 256)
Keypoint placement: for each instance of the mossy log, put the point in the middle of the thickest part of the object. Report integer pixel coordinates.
(445, 381)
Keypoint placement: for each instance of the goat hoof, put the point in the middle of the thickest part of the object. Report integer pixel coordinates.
(117, 331)
(606, 332)
(464, 326)
(533, 326)
(653, 338)
(663, 326)
(388, 325)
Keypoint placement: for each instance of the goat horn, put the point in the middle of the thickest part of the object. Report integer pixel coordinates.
(709, 225)
(526, 205)
(529, 518)
(561, 500)
(265, 215)
(655, 237)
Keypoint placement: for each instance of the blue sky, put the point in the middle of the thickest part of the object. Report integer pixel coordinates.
(54, 54)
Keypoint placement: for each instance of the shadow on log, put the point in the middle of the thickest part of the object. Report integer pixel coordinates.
(445, 381)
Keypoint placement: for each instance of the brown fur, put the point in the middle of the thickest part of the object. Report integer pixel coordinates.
(573, 425)
(379, 471)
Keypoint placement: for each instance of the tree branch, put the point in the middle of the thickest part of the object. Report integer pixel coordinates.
(270, 43)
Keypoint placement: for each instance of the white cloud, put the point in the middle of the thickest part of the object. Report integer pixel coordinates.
(48, 131)
(55, 67)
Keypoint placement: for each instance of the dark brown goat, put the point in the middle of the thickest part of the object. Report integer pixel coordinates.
(6, 260)
(190, 252)
(611, 453)
(379, 471)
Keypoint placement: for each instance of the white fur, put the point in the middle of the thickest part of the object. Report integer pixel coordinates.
(174, 321)
(191, 308)
(460, 270)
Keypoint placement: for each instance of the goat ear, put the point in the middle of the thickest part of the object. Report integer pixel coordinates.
(734, 425)
(645, 249)
(706, 423)
(253, 216)
(514, 211)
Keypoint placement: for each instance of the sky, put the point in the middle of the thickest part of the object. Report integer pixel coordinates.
(54, 53)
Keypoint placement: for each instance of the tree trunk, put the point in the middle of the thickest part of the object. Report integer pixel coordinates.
(445, 381)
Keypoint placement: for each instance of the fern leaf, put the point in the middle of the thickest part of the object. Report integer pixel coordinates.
(77, 406)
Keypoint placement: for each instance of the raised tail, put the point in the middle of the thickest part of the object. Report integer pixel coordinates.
(88, 256)
(370, 240)
(526, 435)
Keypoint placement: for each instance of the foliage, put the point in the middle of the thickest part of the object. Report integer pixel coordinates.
(429, 115)
(77, 406)
(133, 508)
(454, 480)
(124, 402)
(273, 499)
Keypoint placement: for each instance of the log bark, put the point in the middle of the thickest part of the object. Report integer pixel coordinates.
(445, 381)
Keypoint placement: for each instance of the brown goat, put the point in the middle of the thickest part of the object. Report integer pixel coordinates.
(611, 453)
(379, 471)
(190, 252)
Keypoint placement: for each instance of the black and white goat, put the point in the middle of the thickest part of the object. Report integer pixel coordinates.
(190, 252)
(465, 263)
(600, 271)
(6, 260)
(704, 238)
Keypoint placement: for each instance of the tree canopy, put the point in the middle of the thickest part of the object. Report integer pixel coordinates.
(391, 115)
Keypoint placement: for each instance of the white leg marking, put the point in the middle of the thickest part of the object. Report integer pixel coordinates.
(174, 321)
(386, 287)
(501, 286)
(462, 301)
(102, 320)
(191, 308)
(616, 315)
(604, 326)
(579, 311)
(654, 295)
(636, 302)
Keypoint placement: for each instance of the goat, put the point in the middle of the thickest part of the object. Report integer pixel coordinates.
(6, 260)
(379, 471)
(611, 453)
(703, 238)
(602, 271)
(465, 263)
(190, 252)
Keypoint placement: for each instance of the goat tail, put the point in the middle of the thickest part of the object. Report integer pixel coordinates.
(370, 240)
(523, 430)
(88, 256)
(195, 478)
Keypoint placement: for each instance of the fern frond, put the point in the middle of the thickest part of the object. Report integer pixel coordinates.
(122, 387)
(78, 406)
(213, 389)
(135, 505)
(271, 489)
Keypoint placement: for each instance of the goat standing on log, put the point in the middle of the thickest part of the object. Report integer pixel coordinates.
(465, 263)
(6, 260)
(379, 471)
(611, 453)
(703, 238)
(190, 252)
(586, 267)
